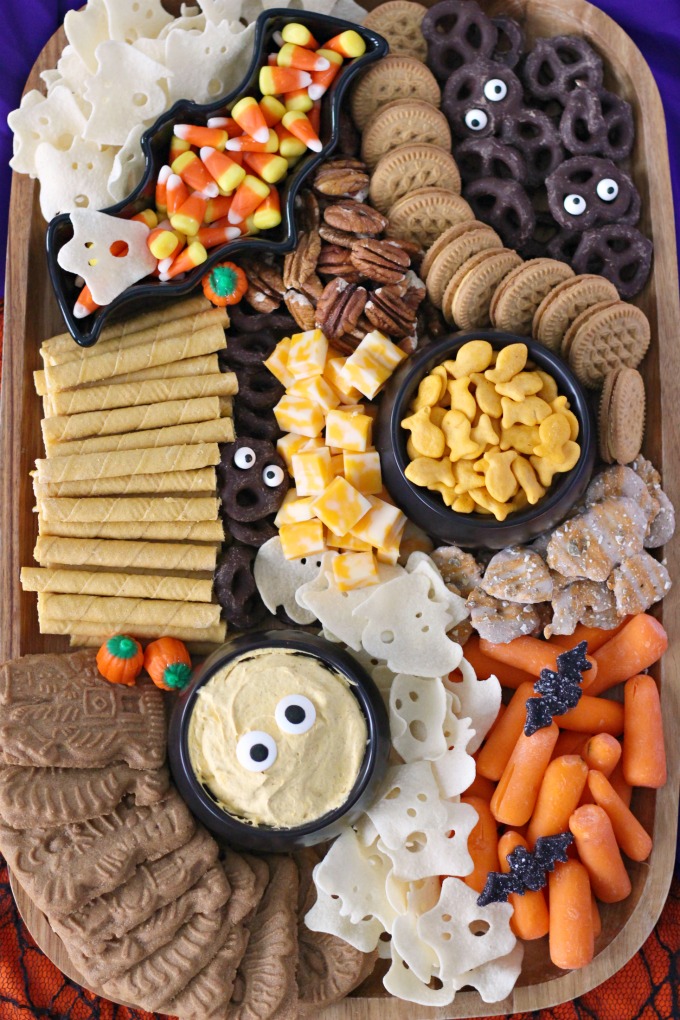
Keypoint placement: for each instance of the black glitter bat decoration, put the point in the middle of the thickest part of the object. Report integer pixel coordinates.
(559, 691)
(527, 869)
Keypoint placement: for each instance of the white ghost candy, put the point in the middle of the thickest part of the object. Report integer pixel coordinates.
(417, 714)
(278, 579)
(128, 165)
(125, 89)
(357, 875)
(210, 64)
(479, 699)
(433, 851)
(85, 29)
(421, 563)
(409, 801)
(131, 19)
(57, 120)
(76, 179)
(325, 916)
(455, 769)
(401, 981)
(496, 979)
(94, 234)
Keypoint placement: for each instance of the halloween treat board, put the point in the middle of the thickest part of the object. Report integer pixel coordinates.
(474, 271)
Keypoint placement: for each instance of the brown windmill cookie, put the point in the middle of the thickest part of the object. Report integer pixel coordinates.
(425, 213)
(58, 796)
(58, 710)
(247, 885)
(618, 335)
(580, 319)
(454, 255)
(393, 78)
(518, 300)
(207, 996)
(403, 122)
(622, 415)
(565, 302)
(450, 234)
(408, 168)
(471, 302)
(399, 22)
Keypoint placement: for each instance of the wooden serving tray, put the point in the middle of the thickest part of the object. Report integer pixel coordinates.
(32, 315)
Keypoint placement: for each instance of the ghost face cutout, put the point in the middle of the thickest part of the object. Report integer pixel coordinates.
(253, 480)
(477, 97)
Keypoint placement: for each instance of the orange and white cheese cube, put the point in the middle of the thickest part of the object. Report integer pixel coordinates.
(307, 354)
(289, 444)
(362, 470)
(316, 389)
(341, 506)
(337, 464)
(277, 363)
(347, 542)
(389, 553)
(295, 509)
(296, 414)
(379, 524)
(355, 570)
(304, 539)
(332, 373)
(371, 364)
(312, 472)
(348, 430)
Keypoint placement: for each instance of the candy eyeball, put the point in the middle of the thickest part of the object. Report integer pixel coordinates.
(495, 90)
(295, 714)
(476, 120)
(244, 458)
(607, 189)
(272, 476)
(575, 205)
(256, 751)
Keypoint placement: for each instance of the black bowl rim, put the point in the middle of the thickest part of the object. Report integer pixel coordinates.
(377, 47)
(547, 360)
(361, 686)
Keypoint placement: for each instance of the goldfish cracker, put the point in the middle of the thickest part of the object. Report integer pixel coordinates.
(426, 470)
(348, 430)
(340, 507)
(304, 539)
(474, 356)
(554, 432)
(487, 399)
(522, 438)
(530, 411)
(485, 501)
(312, 471)
(461, 398)
(463, 504)
(466, 477)
(411, 451)
(429, 393)
(296, 414)
(288, 445)
(426, 439)
(501, 483)
(560, 405)
(277, 363)
(362, 470)
(548, 390)
(307, 354)
(316, 389)
(447, 493)
(522, 385)
(295, 509)
(456, 429)
(437, 415)
(546, 469)
(526, 477)
(379, 524)
(353, 570)
(510, 361)
(484, 432)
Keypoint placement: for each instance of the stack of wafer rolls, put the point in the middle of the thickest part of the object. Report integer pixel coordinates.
(126, 495)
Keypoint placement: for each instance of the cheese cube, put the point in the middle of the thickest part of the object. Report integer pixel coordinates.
(390, 553)
(295, 414)
(348, 430)
(318, 443)
(380, 523)
(289, 444)
(362, 470)
(347, 541)
(304, 539)
(371, 364)
(382, 350)
(341, 506)
(355, 570)
(333, 374)
(294, 509)
(277, 363)
(307, 354)
(318, 391)
(337, 464)
(312, 472)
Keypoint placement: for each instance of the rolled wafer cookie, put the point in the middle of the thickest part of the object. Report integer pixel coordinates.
(132, 508)
(109, 364)
(158, 315)
(159, 556)
(122, 613)
(219, 430)
(129, 420)
(134, 531)
(202, 481)
(215, 634)
(115, 585)
(205, 364)
(100, 398)
(152, 461)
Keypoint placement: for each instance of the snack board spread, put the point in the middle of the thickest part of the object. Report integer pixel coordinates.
(206, 471)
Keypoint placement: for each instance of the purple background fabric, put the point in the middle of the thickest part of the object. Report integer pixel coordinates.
(27, 24)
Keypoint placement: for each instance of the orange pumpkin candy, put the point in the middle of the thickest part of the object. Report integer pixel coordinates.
(120, 660)
(225, 284)
(168, 663)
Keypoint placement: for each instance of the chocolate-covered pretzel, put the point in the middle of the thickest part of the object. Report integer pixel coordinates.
(563, 245)
(505, 205)
(587, 192)
(248, 348)
(595, 122)
(258, 424)
(254, 533)
(544, 233)
(457, 33)
(489, 157)
(478, 95)
(534, 134)
(258, 389)
(245, 319)
(253, 480)
(620, 253)
(510, 45)
(235, 588)
(557, 65)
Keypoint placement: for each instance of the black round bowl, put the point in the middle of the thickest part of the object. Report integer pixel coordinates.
(427, 509)
(229, 829)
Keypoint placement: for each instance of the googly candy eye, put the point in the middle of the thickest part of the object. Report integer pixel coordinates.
(295, 714)
(476, 120)
(272, 476)
(575, 205)
(495, 89)
(256, 751)
(607, 189)
(244, 458)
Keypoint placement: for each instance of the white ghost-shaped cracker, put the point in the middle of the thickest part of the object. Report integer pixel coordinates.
(479, 699)
(74, 72)
(128, 165)
(85, 29)
(417, 714)
(436, 851)
(326, 916)
(74, 179)
(406, 942)
(496, 979)
(455, 769)
(414, 896)
(409, 801)
(210, 64)
(421, 563)
(88, 253)
(403, 983)
(356, 874)
(56, 119)
(131, 19)
(125, 89)
(278, 579)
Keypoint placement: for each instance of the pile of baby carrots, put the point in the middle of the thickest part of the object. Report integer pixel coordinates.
(575, 775)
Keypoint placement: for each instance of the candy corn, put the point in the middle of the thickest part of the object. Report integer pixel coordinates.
(314, 116)
(225, 171)
(189, 217)
(148, 217)
(272, 110)
(196, 135)
(248, 116)
(268, 213)
(212, 237)
(348, 44)
(275, 81)
(250, 193)
(177, 147)
(85, 305)
(161, 189)
(299, 100)
(227, 124)
(300, 35)
(267, 165)
(217, 208)
(164, 243)
(245, 143)
(191, 257)
(291, 55)
(195, 174)
(299, 125)
(289, 145)
(322, 79)
(177, 193)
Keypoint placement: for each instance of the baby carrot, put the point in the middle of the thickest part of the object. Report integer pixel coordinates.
(485, 666)
(570, 742)
(602, 752)
(633, 839)
(481, 787)
(599, 852)
(495, 753)
(636, 646)
(594, 636)
(644, 753)
(482, 843)
(515, 797)
(571, 937)
(530, 654)
(558, 797)
(530, 918)
(597, 920)
(594, 715)
(624, 789)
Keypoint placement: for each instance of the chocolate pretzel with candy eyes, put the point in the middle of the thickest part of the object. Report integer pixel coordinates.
(253, 480)
(587, 192)
(533, 133)
(235, 588)
(557, 65)
(618, 252)
(489, 157)
(478, 96)
(457, 33)
(504, 205)
(597, 123)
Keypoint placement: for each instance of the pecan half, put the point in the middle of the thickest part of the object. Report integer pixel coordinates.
(307, 211)
(312, 288)
(342, 178)
(381, 261)
(301, 308)
(412, 249)
(334, 236)
(355, 217)
(300, 263)
(390, 313)
(336, 261)
(265, 287)
(339, 308)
